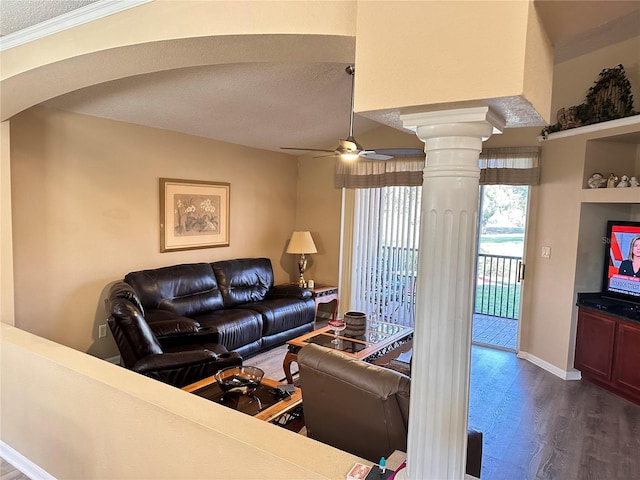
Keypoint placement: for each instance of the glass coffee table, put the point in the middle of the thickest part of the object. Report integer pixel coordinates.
(263, 404)
(381, 343)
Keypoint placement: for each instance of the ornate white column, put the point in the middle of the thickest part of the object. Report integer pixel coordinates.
(442, 340)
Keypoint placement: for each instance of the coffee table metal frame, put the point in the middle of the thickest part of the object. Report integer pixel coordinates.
(378, 353)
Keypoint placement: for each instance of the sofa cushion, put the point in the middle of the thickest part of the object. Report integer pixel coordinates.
(186, 290)
(269, 341)
(280, 314)
(234, 327)
(244, 280)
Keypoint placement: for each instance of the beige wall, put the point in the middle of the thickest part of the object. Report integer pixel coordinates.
(318, 210)
(86, 212)
(573, 78)
(6, 237)
(452, 52)
(75, 416)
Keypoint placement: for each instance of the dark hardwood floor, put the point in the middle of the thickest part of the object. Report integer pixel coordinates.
(538, 426)
(535, 425)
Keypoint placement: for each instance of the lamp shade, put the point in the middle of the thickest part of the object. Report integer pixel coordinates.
(301, 242)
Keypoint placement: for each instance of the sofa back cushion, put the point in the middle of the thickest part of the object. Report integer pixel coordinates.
(244, 280)
(186, 290)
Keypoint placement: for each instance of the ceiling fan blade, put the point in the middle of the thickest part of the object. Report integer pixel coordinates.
(374, 155)
(306, 149)
(399, 151)
(349, 149)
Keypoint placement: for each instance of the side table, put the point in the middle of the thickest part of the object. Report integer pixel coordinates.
(325, 294)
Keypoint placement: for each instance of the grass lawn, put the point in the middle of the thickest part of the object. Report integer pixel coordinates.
(506, 244)
(502, 300)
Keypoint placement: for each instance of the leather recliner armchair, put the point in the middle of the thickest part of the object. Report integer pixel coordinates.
(361, 408)
(141, 352)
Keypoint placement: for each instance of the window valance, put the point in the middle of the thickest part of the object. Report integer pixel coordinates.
(509, 166)
(401, 170)
(498, 166)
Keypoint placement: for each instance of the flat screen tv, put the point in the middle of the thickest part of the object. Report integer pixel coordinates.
(621, 276)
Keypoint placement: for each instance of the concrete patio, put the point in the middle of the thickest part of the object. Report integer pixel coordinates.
(495, 332)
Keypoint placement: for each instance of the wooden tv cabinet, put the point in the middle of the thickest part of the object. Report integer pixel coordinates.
(608, 352)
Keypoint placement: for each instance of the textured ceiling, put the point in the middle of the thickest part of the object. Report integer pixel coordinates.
(263, 105)
(16, 15)
(272, 105)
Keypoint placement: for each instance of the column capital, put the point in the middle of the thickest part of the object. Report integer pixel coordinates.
(473, 121)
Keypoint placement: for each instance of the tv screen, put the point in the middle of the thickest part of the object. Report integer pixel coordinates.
(622, 263)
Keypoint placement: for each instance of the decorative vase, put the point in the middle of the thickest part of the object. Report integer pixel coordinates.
(356, 324)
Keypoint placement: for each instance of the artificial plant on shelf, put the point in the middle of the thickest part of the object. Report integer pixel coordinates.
(608, 98)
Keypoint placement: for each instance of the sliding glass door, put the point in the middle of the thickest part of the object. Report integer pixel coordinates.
(385, 252)
(500, 270)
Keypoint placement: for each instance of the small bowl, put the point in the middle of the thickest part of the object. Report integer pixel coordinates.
(243, 380)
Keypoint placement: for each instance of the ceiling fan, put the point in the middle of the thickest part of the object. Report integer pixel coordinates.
(349, 149)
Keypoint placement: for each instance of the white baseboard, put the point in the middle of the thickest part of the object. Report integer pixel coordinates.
(572, 374)
(23, 464)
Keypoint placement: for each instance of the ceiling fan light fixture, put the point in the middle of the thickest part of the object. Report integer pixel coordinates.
(349, 156)
(350, 144)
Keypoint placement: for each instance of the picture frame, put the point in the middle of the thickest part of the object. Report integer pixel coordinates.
(193, 214)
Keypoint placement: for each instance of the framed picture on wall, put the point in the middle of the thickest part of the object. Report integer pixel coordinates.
(193, 214)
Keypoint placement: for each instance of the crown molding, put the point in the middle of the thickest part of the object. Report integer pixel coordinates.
(88, 13)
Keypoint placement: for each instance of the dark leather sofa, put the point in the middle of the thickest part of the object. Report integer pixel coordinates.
(361, 408)
(141, 352)
(233, 303)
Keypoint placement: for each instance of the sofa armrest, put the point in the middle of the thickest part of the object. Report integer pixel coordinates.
(177, 326)
(288, 291)
(161, 361)
(183, 368)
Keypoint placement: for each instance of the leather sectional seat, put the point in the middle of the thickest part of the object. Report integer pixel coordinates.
(361, 408)
(232, 303)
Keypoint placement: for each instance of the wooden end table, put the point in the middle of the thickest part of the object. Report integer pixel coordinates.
(325, 294)
(380, 344)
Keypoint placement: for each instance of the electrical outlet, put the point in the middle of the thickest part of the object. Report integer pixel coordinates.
(102, 330)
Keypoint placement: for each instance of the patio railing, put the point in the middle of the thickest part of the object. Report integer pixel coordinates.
(391, 292)
(497, 286)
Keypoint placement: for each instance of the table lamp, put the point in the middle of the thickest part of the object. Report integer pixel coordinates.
(301, 243)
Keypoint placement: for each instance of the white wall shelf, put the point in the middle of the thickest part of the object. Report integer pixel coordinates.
(596, 127)
(610, 195)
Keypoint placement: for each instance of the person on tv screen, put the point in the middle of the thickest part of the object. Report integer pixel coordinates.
(631, 266)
